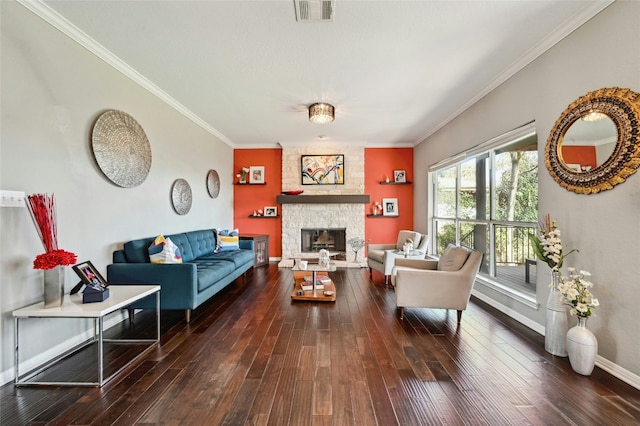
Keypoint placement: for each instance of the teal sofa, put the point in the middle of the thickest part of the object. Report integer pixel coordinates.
(203, 273)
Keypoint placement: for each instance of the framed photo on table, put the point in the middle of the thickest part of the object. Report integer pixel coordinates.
(89, 274)
(390, 207)
(256, 174)
(96, 288)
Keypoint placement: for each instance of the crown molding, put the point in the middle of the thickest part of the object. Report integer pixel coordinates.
(535, 52)
(57, 21)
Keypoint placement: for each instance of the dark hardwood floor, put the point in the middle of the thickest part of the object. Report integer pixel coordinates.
(251, 356)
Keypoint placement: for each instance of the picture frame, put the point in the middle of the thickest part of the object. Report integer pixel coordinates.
(322, 169)
(270, 211)
(256, 174)
(390, 207)
(89, 275)
(399, 176)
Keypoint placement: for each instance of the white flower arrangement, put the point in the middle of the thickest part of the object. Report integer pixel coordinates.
(548, 245)
(576, 294)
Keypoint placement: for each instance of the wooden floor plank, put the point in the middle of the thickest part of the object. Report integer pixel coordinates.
(252, 356)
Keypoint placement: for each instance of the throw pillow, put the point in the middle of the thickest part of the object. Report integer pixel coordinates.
(227, 240)
(163, 250)
(453, 258)
(402, 238)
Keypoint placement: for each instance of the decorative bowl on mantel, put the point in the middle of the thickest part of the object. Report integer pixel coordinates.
(294, 192)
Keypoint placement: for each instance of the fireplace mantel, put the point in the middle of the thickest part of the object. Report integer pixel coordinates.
(323, 199)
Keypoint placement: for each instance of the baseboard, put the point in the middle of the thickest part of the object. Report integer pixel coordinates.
(608, 366)
(43, 357)
(538, 328)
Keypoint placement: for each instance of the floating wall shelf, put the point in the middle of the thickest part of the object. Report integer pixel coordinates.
(323, 199)
(395, 183)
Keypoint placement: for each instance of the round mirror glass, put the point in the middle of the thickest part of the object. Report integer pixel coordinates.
(589, 142)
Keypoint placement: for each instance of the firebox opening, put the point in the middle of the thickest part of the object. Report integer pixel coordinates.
(316, 239)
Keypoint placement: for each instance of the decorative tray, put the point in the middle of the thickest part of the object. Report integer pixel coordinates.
(294, 192)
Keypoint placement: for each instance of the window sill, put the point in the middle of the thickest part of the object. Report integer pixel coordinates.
(527, 299)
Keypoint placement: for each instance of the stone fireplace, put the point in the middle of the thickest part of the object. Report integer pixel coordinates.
(348, 215)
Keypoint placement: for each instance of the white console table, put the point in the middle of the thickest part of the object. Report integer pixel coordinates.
(120, 297)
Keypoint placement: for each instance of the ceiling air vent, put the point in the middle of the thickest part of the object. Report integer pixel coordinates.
(314, 10)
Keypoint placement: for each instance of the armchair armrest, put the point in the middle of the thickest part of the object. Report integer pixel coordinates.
(429, 264)
(381, 247)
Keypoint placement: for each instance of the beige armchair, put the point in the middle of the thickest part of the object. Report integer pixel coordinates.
(381, 257)
(442, 284)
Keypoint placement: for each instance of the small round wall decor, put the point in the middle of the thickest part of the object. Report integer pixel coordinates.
(121, 149)
(213, 183)
(181, 196)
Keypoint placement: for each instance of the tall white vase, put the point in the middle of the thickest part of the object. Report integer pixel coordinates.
(582, 346)
(53, 287)
(556, 325)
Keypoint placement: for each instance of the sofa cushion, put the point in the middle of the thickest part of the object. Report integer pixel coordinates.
(202, 242)
(238, 257)
(163, 250)
(227, 240)
(453, 258)
(182, 242)
(211, 271)
(137, 251)
(404, 234)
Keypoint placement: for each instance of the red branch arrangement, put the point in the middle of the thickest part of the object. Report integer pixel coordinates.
(43, 212)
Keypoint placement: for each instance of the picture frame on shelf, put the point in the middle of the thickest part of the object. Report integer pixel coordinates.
(271, 211)
(256, 174)
(322, 169)
(399, 176)
(390, 207)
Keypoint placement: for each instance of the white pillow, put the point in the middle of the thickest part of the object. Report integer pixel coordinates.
(163, 250)
(453, 258)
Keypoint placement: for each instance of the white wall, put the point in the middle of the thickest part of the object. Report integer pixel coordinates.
(53, 90)
(604, 52)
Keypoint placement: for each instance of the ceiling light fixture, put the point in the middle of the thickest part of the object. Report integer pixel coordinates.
(594, 116)
(321, 113)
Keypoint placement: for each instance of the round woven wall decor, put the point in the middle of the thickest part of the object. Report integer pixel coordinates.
(121, 149)
(181, 196)
(213, 183)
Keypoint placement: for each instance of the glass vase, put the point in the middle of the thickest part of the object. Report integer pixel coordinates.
(53, 287)
(556, 325)
(582, 347)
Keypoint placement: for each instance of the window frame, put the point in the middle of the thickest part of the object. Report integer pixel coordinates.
(488, 273)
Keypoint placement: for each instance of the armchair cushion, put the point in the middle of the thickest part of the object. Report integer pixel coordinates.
(453, 258)
(404, 234)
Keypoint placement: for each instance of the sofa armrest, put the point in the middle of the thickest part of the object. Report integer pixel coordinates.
(247, 245)
(178, 281)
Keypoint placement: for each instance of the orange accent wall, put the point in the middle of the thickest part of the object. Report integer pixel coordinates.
(247, 198)
(578, 154)
(378, 164)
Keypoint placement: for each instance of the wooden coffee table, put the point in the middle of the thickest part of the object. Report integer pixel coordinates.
(315, 294)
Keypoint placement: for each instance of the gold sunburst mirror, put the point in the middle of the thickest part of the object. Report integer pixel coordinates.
(594, 145)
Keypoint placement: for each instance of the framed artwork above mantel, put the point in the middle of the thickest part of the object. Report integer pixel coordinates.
(322, 169)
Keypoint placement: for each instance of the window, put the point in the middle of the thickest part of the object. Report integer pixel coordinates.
(487, 199)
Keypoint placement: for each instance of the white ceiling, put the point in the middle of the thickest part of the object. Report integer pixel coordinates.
(396, 71)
